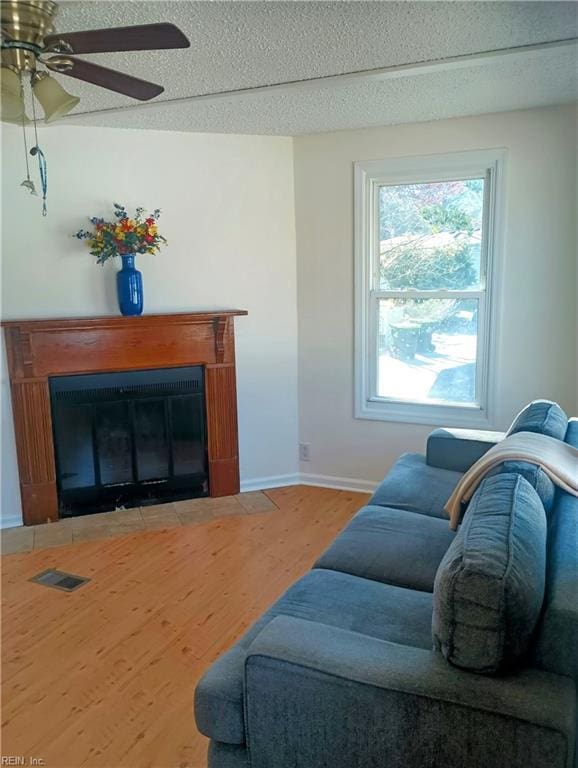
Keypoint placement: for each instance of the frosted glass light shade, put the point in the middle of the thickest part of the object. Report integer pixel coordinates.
(55, 101)
(21, 119)
(11, 104)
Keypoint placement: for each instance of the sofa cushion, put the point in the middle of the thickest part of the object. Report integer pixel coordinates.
(227, 755)
(387, 612)
(535, 475)
(392, 546)
(543, 417)
(489, 588)
(414, 486)
(556, 646)
(571, 436)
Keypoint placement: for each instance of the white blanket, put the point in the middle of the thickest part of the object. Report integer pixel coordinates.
(558, 460)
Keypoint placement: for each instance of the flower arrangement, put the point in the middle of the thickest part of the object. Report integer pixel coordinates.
(123, 236)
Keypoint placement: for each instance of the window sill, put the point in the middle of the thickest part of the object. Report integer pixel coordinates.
(417, 413)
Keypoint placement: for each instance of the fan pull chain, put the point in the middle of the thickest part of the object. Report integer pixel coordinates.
(27, 183)
(41, 162)
(43, 177)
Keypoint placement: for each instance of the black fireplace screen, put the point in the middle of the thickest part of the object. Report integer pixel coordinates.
(129, 438)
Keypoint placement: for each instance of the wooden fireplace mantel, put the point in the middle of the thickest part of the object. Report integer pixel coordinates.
(38, 349)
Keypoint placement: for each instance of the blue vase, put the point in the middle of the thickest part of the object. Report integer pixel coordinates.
(129, 286)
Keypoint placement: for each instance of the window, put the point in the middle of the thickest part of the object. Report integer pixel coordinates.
(425, 275)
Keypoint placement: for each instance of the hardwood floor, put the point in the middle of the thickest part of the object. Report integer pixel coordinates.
(104, 677)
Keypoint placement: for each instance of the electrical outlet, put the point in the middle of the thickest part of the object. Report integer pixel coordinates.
(304, 451)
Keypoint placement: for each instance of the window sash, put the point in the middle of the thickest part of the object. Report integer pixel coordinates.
(411, 293)
(368, 178)
(486, 174)
(481, 348)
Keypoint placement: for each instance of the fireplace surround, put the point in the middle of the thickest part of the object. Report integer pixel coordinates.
(41, 351)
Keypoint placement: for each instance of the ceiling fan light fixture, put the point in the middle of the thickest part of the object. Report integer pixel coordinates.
(55, 101)
(11, 103)
(22, 119)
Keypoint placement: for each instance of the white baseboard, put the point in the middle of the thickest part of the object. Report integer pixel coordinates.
(339, 483)
(303, 478)
(10, 521)
(275, 481)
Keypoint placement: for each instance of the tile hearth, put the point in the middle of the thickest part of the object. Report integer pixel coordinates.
(122, 521)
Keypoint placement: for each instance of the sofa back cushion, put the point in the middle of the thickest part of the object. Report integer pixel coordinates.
(572, 432)
(556, 646)
(489, 587)
(535, 475)
(543, 417)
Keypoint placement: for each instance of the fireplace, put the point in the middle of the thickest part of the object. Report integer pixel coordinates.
(128, 438)
(119, 411)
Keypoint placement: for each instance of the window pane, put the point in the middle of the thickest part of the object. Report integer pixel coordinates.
(152, 446)
(73, 434)
(187, 434)
(114, 443)
(427, 350)
(430, 235)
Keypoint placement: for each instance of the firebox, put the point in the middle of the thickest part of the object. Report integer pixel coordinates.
(129, 438)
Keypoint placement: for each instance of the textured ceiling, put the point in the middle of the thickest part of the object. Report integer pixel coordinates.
(238, 44)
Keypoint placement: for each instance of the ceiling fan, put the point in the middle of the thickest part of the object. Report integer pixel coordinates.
(29, 39)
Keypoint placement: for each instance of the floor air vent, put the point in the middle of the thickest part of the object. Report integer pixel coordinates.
(59, 580)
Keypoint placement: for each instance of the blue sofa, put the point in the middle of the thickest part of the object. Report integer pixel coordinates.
(345, 670)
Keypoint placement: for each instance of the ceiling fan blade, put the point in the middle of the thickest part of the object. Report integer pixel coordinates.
(146, 37)
(107, 78)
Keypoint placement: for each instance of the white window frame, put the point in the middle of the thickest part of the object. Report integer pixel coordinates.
(369, 175)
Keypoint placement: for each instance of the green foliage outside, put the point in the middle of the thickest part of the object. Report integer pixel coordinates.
(411, 215)
(431, 269)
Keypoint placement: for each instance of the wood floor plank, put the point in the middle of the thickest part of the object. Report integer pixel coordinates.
(104, 677)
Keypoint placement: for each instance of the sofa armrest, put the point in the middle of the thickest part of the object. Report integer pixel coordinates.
(318, 696)
(459, 449)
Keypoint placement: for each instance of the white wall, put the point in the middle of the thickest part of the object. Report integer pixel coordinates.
(228, 213)
(537, 334)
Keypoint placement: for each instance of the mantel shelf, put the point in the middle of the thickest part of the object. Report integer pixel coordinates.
(113, 321)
